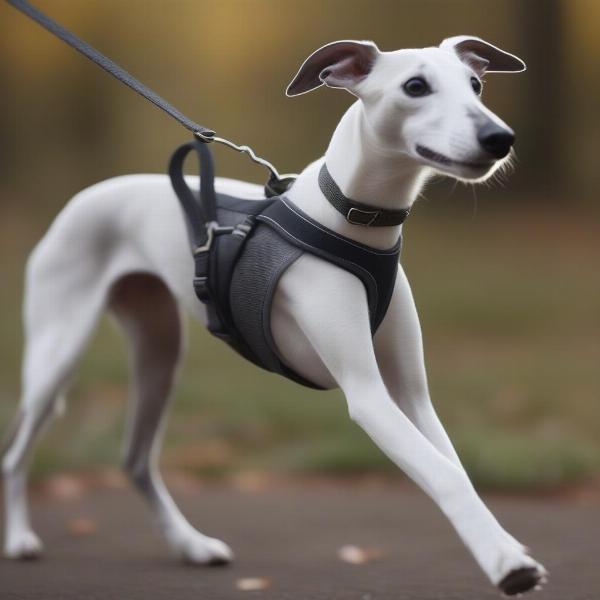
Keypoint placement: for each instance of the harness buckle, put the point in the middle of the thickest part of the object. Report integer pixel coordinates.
(201, 288)
(356, 216)
(212, 229)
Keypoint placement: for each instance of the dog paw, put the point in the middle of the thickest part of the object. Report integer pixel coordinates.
(530, 575)
(522, 580)
(222, 554)
(197, 549)
(24, 546)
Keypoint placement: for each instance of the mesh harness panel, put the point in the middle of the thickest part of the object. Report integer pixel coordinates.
(280, 236)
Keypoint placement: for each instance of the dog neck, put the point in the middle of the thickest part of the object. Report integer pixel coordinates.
(365, 173)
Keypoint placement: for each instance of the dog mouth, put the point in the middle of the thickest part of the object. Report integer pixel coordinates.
(448, 162)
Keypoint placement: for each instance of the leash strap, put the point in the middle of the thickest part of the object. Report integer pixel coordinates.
(356, 212)
(108, 65)
(277, 183)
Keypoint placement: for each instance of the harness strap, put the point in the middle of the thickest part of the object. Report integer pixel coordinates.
(376, 269)
(201, 217)
(214, 254)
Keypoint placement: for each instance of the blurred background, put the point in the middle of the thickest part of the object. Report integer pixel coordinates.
(505, 275)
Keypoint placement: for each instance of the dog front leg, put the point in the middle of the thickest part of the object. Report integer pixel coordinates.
(399, 352)
(333, 315)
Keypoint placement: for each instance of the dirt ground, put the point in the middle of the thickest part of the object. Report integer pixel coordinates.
(101, 544)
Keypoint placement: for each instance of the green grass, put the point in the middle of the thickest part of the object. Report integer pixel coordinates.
(506, 460)
(510, 319)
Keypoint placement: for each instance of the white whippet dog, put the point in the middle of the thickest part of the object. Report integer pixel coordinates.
(122, 245)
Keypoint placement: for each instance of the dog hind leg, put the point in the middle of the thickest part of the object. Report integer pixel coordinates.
(61, 312)
(149, 315)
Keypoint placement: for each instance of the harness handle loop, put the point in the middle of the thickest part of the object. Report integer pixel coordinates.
(201, 212)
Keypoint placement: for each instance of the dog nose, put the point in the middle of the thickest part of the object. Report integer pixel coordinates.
(496, 140)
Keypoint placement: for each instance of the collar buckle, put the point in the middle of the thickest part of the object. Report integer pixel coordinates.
(356, 216)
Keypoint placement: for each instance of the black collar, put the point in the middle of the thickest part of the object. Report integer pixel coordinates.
(356, 212)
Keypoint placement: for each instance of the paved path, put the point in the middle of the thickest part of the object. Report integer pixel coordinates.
(291, 535)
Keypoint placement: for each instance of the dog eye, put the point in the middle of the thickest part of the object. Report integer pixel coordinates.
(476, 85)
(417, 86)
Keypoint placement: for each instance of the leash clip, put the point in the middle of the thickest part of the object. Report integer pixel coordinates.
(277, 184)
(207, 138)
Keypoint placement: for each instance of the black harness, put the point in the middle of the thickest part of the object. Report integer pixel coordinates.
(241, 248)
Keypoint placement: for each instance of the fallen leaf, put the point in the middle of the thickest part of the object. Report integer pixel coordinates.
(252, 584)
(65, 487)
(113, 479)
(82, 526)
(250, 481)
(355, 555)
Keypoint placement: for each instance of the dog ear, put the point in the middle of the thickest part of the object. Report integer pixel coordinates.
(482, 56)
(339, 64)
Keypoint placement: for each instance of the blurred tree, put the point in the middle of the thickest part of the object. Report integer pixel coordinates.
(542, 35)
(581, 93)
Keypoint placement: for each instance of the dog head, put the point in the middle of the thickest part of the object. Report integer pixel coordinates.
(424, 103)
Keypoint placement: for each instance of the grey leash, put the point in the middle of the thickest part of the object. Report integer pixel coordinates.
(277, 183)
